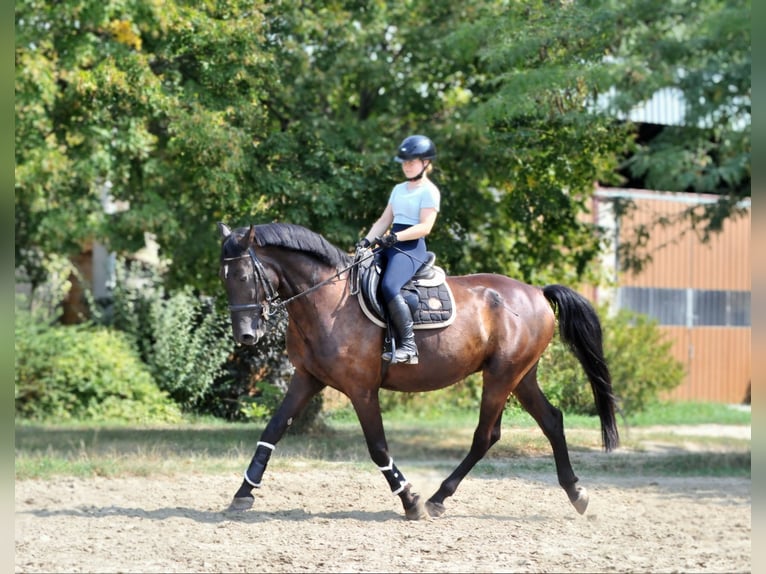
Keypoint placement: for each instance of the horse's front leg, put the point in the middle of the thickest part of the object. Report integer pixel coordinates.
(367, 407)
(301, 389)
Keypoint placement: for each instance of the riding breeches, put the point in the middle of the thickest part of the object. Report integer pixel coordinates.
(400, 261)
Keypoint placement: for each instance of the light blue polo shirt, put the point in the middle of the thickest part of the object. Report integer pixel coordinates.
(407, 203)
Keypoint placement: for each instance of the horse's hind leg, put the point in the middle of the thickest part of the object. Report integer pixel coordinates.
(300, 391)
(367, 406)
(486, 434)
(551, 421)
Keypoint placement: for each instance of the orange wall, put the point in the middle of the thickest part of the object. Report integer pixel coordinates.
(717, 359)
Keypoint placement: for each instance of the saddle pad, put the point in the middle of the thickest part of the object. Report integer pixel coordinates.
(432, 305)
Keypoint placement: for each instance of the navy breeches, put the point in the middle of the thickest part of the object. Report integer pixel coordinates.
(400, 263)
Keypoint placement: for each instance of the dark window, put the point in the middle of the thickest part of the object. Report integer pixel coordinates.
(667, 306)
(739, 308)
(729, 308)
(709, 308)
(672, 306)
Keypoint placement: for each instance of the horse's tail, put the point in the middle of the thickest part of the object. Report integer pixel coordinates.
(580, 329)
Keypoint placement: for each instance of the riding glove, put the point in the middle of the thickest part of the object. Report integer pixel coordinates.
(363, 243)
(388, 240)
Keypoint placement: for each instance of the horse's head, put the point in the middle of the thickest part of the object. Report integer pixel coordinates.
(248, 287)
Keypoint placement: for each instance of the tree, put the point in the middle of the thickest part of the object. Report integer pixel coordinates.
(255, 111)
(146, 102)
(701, 51)
(587, 64)
(249, 111)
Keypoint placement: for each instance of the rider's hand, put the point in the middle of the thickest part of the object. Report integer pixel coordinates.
(388, 240)
(363, 243)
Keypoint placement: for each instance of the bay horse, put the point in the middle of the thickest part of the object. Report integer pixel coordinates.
(501, 328)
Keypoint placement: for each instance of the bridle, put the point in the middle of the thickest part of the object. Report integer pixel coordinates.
(273, 304)
(261, 280)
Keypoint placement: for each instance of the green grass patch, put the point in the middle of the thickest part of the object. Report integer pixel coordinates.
(691, 413)
(437, 439)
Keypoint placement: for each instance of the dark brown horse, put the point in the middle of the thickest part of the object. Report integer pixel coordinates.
(501, 329)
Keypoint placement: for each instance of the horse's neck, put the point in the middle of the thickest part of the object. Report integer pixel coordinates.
(298, 273)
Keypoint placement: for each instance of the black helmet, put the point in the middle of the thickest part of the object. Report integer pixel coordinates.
(415, 147)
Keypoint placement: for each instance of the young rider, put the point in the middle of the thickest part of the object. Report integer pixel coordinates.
(410, 215)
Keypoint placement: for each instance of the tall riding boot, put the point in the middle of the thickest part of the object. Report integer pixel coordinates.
(401, 318)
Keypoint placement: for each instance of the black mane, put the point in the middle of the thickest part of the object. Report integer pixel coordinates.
(297, 238)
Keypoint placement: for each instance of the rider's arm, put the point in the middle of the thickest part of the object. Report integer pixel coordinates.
(380, 227)
(427, 220)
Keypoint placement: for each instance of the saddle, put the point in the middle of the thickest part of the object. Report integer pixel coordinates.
(427, 294)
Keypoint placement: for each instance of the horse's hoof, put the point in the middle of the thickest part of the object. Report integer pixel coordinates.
(240, 504)
(580, 502)
(435, 509)
(417, 511)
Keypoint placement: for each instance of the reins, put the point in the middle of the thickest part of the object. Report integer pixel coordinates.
(272, 297)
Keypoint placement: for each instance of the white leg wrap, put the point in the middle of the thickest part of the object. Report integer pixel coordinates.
(398, 490)
(394, 477)
(250, 482)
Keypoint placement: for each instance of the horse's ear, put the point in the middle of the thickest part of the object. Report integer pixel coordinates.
(223, 230)
(251, 235)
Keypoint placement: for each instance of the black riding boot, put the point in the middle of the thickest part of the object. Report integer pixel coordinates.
(401, 318)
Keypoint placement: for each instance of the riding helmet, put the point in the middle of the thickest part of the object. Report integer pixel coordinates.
(415, 147)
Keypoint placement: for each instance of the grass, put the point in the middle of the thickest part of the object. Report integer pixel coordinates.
(416, 436)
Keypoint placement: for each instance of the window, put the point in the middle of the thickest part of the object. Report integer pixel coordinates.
(667, 306)
(691, 307)
(725, 308)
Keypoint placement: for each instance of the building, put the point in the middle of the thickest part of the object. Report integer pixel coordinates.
(699, 292)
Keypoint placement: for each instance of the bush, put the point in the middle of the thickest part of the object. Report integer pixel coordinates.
(255, 380)
(179, 336)
(190, 350)
(190, 347)
(83, 373)
(639, 360)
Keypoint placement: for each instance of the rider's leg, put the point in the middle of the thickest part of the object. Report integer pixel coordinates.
(401, 318)
(400, 267)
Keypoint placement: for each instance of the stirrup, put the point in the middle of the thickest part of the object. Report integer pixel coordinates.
(401, 357)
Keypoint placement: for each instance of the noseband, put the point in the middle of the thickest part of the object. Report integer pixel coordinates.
(261, 279)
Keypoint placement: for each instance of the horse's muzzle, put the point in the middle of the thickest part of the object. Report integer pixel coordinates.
(247, 332)
(249, 338)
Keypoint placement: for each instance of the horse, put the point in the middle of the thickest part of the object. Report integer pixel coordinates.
(501, 328)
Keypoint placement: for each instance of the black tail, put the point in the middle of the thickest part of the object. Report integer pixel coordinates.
(580, 329)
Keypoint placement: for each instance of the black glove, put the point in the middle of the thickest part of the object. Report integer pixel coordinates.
(388, 240)
(363, 243)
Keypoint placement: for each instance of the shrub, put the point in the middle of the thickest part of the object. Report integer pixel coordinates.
(83, 373)
(179, 336)
(255, 380)
(189, 348)
(639, 360)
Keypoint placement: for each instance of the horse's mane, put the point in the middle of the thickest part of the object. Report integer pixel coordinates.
(299, 238)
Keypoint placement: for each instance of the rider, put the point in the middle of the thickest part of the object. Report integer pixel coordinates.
(410, 214)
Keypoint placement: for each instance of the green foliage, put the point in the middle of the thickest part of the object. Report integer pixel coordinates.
(639, 359)
(83, 373)
(247, 111)
(187, 344)
(255, 379)
(190, 346)
(183, 340)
